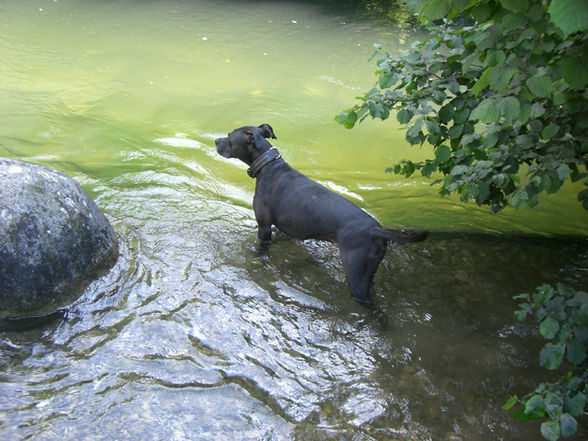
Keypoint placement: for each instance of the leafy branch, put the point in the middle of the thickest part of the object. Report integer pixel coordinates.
(489, 98)
(504, 104)
(562, 316)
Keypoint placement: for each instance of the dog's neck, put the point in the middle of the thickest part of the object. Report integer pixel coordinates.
(263, 160)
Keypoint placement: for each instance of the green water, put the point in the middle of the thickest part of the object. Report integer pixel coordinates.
(191, 335)
(88, 86)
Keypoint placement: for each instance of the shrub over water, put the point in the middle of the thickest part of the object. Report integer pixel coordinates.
(502, 100)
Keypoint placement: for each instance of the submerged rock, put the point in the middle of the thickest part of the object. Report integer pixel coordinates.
(53, 240)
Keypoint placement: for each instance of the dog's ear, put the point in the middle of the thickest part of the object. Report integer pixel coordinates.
(267, 131)
(250, 136)
(260, 141)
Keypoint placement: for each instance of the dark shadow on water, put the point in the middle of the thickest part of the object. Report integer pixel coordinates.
(31, 322)
(376, 12)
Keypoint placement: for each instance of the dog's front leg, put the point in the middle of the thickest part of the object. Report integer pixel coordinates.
(263, 216)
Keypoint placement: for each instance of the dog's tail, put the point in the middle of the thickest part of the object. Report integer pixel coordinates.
(399, 237)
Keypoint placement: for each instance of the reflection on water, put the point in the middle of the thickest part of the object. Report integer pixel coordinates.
(194, 336)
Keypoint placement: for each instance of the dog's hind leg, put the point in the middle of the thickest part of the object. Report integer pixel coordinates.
(360, 265)
(264, 234)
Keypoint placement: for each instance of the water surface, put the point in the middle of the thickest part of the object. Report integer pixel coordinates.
(193, 335)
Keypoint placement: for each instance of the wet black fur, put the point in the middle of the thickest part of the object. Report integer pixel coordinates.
(305, 209)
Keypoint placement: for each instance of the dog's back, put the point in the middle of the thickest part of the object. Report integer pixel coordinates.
(305, 209)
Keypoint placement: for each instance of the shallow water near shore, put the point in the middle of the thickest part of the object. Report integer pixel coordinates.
(193, 335)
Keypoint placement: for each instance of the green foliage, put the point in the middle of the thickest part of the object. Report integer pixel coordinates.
(569, 15)
(562, 315)
(503, 102)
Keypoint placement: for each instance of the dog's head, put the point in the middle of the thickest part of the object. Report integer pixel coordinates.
(245, 143)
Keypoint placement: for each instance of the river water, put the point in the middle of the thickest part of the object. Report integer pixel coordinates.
(192, 335)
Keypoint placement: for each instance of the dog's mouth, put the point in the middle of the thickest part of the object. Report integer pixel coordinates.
(222, 147)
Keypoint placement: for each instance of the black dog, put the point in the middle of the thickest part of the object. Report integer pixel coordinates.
(305, 209)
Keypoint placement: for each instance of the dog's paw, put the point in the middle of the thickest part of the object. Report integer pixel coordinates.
(259, 253)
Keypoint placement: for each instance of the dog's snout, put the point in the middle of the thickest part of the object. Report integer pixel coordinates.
(222, 147)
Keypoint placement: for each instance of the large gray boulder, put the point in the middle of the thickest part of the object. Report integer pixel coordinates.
(53, 240)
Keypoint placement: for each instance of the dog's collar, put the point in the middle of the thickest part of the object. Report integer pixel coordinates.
(263, 160)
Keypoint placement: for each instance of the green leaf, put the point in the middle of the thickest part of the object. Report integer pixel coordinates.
(455, 131)
(537, 110)
(515, 5)
(404, 116)
(428, 169)
(575, 383)
(459, 170)
(341, 117)
(346, 119)
(482, 12)
(521, 416)
(495, 57)
(482, 82)
(511, 402)
(553, 404)
(574, 404)
(549, 131)
(433, 127)
(435, 9)
(413, 57)
(384, 112)
(388, 80)
(550, 430)
(509, 108)
(514, 21)
(490, 140)
(443, 153)
(372, 92)
(483, 192)
(574, 72)
(569, 15)
(462, 115)
(569, 425)
(521, 314)
(446, 113)
(552, 355)
(500, 76)
(486, 111)
(408, 168)
(525, 112)
(519, 199)
(549, 328)
(563, 172)
(543, 294)
(566, 291)
(468, 61)
(540, 86)
(535, 406)
(535, 12)
(576, 352)
(414, 134)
